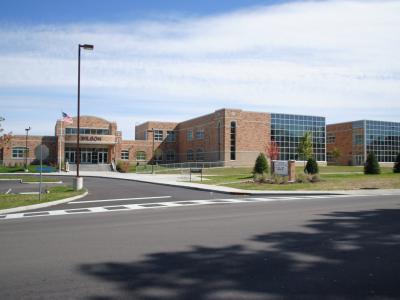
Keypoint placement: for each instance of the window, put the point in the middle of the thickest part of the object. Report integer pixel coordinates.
(171, 136)
(219, 140)
(330, 138)
(140, 155)
(189, 154)
(125, 154)
(170, 155)
(199, 155)
(358, 139)
(18, 152)
(233, 140)
(200, 134)
(190, 135)
(158, 135)
(92, 131)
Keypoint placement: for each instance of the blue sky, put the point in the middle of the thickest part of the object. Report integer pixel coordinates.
(173, 60)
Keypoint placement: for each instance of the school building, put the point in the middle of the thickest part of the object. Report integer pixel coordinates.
(230, 137)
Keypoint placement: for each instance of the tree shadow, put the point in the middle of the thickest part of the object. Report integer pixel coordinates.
(352, 255)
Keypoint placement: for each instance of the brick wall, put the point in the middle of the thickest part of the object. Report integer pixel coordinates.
(343, 133)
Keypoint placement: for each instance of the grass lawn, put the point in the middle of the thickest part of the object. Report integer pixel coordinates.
(20, 169)
(56, 193)
(28, 178)
(332, 178)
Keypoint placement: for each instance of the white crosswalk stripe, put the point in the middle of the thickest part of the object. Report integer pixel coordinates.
(155, 205)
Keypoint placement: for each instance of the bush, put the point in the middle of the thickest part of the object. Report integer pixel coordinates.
(371, 165)
(315, 178)
(261, 165)
(122, 166)
(301, 178)
(396, 167)
(311, 166)
(261, 178)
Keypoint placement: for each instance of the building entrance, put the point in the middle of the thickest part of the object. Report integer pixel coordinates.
(88, 155)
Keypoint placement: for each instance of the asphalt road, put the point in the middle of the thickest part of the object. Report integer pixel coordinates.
(338, 248)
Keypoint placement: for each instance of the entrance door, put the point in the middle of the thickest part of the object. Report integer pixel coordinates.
(102, 157)
(95, 157)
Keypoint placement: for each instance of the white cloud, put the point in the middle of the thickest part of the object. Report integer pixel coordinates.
(306, 57)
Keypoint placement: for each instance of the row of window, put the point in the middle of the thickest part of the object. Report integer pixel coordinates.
(171, 135)
(93, 131)
(140, 155)
(170, 155)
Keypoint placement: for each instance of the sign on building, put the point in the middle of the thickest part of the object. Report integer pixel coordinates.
(281, 167)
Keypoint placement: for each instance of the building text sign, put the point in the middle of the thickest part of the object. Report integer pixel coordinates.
(281, 167)
(90, 138)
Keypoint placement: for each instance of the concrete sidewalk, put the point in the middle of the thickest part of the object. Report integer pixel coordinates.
(178, 181)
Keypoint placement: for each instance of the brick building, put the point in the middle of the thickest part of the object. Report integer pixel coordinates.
(229, 136)
(354, 140)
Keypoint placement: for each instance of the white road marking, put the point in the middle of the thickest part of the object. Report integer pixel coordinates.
(122, 199)
(9, 190)
(154, 205)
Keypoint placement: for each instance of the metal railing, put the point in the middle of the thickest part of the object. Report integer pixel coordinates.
(170, 168)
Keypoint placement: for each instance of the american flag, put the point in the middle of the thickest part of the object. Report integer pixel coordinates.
(66, 118)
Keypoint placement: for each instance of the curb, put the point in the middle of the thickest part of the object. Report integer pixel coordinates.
(207, 189)
(41, 205)
(43, 182)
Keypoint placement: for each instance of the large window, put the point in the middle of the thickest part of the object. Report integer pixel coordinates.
(171, 136)
(189, 155)
(233, 140)
(140, 155)
(125, 154)
(200, 134)
(189, 135)
(358, 139)
(92, 131)
(170, 156)
(18, 152)
(158, 135)
(199, 155)
(287, 131)
(383, 139)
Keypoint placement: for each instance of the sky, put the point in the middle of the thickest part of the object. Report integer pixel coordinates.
(175, 60)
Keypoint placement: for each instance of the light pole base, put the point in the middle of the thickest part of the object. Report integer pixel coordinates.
(78, 183)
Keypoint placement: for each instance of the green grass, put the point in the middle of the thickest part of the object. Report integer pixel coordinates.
(56, 193)
(332, 178)
(21, 169)
(28, 178)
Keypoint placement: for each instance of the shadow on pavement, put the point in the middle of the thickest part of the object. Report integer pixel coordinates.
(352, 255)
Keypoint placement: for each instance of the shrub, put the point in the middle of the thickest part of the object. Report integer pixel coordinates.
(371, 165)
(122, 166)
(261, 178)
(301, 178)
(396, 167)
(311, 166)
(261, 165)
(315, 178)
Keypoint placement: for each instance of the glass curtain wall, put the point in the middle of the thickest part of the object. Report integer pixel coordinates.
(287, 131)
(383, 138)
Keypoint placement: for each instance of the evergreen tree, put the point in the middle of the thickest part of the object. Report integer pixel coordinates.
(371, 165)
(311, 166)
(261, 165)
(396, 167)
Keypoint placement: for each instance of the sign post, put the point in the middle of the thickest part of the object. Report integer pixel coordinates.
(41, 152)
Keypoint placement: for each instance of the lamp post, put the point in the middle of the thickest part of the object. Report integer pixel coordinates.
(153, 155)
(78, 183)
(26, 148)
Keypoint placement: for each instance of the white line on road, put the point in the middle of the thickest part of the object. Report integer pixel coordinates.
(122, 199)
(9, 190)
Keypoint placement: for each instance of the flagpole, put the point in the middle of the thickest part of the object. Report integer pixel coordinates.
(59, 147)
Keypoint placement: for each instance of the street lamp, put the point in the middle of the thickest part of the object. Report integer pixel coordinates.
(78, 183)
(153, 155)
(26, 148)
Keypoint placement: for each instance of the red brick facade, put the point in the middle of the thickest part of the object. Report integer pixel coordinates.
(231, 136)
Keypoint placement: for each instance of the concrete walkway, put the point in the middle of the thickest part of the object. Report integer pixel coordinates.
(180, 180)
